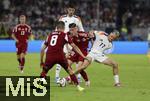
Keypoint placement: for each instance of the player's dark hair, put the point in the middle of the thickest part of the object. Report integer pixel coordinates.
(72, 25)
(70, 5)
(60, 24)
(116, 32)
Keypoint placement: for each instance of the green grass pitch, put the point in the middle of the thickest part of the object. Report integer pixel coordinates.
(134, 76)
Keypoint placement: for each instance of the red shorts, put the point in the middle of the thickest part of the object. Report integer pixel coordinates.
(21, 48)
(76, 57)
(52, 59)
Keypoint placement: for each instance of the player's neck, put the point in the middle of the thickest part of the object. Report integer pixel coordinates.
(22, 23)
(69, 15)
(60, 30)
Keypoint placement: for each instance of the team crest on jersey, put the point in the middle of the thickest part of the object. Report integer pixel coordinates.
(26, 29)
(19, 29)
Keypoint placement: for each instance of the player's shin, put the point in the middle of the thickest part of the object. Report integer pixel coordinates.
(19, 60)
(116, 76)
(58, 69)
(78, 75)
(84, 75)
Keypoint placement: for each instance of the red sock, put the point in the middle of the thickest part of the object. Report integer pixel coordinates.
(22, 62)
(84, 75)
(74, 79)
(43, 74)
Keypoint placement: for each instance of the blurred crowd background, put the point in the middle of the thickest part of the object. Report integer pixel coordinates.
(130, 17)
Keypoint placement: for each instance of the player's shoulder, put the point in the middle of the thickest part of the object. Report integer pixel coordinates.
(101, 33)
(28, 26)
(18, 25)
(63, 16)
(57, 33)
(77, 17)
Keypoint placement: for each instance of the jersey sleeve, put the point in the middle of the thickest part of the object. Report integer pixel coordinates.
(68, 39)
(79, 23)
(14, 31)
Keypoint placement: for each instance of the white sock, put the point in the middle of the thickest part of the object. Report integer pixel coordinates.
(58, 68)
(116, 79)
(78, 75)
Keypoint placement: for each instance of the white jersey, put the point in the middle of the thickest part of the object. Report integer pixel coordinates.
(101, 42)
(73, 19)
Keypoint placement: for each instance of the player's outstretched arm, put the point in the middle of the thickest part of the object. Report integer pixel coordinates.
(77, 49)
(14, 37)
(42, 54)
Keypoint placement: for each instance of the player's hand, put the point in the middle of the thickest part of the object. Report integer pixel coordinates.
(17, 41)
(67, 55)
(42, 64)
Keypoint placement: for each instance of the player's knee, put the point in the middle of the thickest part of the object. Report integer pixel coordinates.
(115, 65)
(83, 67)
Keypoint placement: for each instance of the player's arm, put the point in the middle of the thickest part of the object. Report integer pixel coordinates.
(77, 49)
(14, 37)
(30, 33)
(42, 54)
(80, 25)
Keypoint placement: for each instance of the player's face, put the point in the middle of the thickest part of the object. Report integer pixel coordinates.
(91, 34)
(22, 19)
(73, 31)
(112, 36)
(70, 11)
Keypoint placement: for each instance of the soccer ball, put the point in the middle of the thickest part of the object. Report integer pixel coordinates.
(62, 82)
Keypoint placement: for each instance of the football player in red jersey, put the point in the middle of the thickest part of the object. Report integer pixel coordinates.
(21, 34)
(55, 55)
(81, 39)
(69, 18)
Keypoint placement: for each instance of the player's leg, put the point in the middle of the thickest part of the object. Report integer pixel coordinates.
(18, 52)
(46, 67)
(78, 75)
(64, 64)
(84, 74)
(22, 58)
(23, 50)
(57, 73)
(114, 66)
(85, 64)
(68, 79)
(19, 60)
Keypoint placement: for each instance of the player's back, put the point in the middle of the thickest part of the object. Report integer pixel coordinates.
(55, 42)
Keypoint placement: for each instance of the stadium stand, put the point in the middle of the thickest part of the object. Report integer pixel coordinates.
(106, 15)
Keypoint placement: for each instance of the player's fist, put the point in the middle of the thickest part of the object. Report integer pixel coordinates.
(42, 64)
(68, 55)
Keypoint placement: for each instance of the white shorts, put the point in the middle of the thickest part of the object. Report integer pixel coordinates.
(100, 57)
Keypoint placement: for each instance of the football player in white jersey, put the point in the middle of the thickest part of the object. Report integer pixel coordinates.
(68, 19)
(102, 42)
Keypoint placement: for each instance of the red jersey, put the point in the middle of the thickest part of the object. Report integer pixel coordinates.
(22, 32)
(81, 40)
(56, 41)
